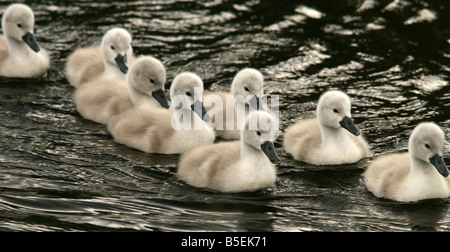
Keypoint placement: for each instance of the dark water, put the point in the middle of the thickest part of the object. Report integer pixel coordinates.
(60, 172)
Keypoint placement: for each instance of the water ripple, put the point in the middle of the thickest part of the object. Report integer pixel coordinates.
(61, 172)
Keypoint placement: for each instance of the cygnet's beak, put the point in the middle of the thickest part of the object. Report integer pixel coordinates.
(348, 124)
(122, 63)
(200, 110)
(31, 41)
(269, 149)
(161, 97)
(438, 162)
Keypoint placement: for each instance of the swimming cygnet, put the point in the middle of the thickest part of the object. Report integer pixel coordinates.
(108, 61)
(330, 139)
(235, 166)
(419, 174)
(20, 54)
(167, 131)
(225, 108)
(101, 99)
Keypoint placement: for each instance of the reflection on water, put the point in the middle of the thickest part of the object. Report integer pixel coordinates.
(59, 171)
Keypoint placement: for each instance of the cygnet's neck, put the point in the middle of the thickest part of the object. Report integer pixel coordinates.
(18, 49)
(250, 152)
(141, 99)
(239, 103)
(424, 177)
(113, 71)
(241, 111)
(422, 168)
(187, 119)
(332, 135)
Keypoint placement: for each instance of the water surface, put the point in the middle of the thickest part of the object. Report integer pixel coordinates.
(61, 172)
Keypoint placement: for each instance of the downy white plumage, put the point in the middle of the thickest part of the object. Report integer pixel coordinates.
(419, 174)
(236, 166)
(101, 99)
(330, 139)
(247, 90)
(167, 131)
(20, 54)
(108, 61)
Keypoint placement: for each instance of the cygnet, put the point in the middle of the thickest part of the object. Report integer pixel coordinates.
(419, 174)
(167, 131)
(20, 54)
(101, 99)
(235, 166)
(330, 139)
(108, 61)
(228, 110)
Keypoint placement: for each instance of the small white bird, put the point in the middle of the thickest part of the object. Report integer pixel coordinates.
(229, 109)
(330, 139)
(419, 174)
(154, 130)
(108, 61)
(236, 166)
(101, 99)
(20, 54)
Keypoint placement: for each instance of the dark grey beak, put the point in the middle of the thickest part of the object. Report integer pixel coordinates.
(31, 42)
(255, 103)
(348, 124)
(200, 110)
(160, 96)
(122, 63)
(438, 162)
(269, 149)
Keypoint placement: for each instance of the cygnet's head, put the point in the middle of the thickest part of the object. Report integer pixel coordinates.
(426, 143)
(147, 76)
(116, 48)
(260, 132)
(18, 25)
(248, 87)
(334, 111)
(186, 92)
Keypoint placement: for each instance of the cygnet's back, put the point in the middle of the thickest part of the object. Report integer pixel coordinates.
(101, 99)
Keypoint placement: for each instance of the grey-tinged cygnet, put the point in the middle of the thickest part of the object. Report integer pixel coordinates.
(235, 166)
(20, 54)
(225, 108)
(167, 131)
(330, 139)
(108, 61)
(101, 99)
(419, 174)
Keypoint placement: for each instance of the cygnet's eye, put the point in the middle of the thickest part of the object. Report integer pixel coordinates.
(19, 25)
(258, 133)
(427, 146)
(335, 111)
(152, 81)
(188, 94)
(112, 47)
(246, 89)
